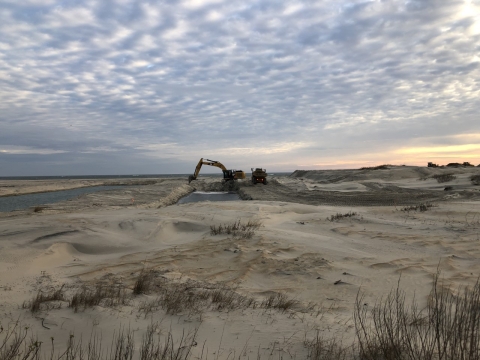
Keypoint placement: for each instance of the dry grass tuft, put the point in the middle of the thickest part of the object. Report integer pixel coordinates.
(106, 295)
(237, 229)
(18, 344)
(339, 216)
(143, 283)
(447, 329)
(154, 348)
(322, 349)
(279, 302)
(43, 301)
(194, 298)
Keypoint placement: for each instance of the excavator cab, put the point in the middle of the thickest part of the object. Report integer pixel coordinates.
(233, 175)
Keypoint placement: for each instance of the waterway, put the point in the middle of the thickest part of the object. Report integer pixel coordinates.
(209, 196)
(22, 202)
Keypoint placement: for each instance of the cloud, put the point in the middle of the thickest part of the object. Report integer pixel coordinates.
(246, 81)
(441, 149)
(28, 150)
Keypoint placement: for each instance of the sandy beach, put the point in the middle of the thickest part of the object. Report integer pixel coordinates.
(310, 243)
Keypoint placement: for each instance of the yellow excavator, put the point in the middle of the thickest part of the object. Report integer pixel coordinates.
(227, 174)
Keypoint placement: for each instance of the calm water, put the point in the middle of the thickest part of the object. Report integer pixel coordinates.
(97, 177)
(208, 196)
(21, 202)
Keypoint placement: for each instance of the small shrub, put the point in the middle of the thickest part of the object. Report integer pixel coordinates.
(442, 178)
(339, 216)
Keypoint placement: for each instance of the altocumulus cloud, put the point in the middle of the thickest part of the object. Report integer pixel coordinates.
(121, 86)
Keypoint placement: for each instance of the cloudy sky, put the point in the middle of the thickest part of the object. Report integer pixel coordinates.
(150, 86)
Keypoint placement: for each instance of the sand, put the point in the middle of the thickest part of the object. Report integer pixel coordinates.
(299, 250)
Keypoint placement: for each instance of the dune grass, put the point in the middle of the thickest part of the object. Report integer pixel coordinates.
(101, 294)
(18, 343)
(393, 328)
(340, 216)
(237, 229)
(45, 300)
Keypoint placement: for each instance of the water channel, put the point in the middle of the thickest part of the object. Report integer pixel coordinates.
(22, 202)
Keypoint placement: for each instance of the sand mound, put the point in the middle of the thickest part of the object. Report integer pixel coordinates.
(391, 173)
(172, 198)
(57, 254)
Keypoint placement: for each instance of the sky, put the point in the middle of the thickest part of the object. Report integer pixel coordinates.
(93, 87)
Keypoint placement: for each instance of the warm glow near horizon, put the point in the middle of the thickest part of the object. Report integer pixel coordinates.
(441, 149)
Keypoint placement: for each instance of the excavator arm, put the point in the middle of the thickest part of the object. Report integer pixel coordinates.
(227, 174)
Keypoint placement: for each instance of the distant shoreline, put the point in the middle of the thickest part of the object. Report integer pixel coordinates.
(103, 177)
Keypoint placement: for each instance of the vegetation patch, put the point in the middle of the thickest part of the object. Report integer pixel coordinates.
(447, 328)
(45, 300)
(420, 207)
(379, 167)
(339, 216)
(101, 294)
(442, 178)
(143, 283)
(237, 229)
(393, 328)
(194, 298)
(279, 302)
(18, 343)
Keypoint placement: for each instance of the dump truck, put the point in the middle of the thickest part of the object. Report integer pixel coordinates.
(259, 175)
